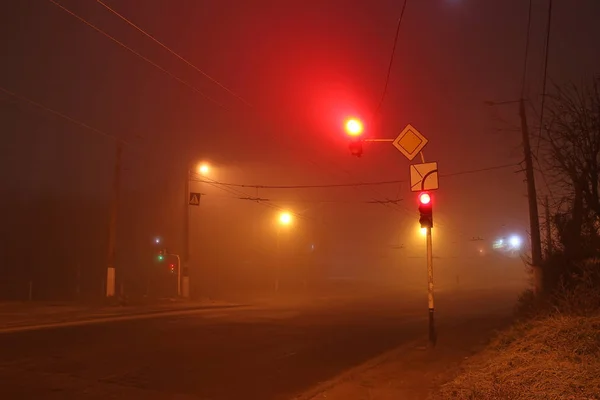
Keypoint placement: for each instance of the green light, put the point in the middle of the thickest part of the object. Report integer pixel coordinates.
(161, 257)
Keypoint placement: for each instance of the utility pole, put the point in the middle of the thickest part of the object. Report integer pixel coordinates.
(186, 236)
(549, 249)
(112, 228)
(534, 221)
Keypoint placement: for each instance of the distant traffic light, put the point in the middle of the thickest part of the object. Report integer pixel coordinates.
(172, 268)
(161, 254)
(425, 210)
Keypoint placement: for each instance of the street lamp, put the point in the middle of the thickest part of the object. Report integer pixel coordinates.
(203, 169)
(285, 219)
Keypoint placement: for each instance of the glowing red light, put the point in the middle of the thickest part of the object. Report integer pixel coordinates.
(424, 198)
(354, 127)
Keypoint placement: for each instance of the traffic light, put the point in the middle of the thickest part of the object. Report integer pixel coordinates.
(354, 128)
(172, 268)
(356, 148)
(425, 210)
(161, 254)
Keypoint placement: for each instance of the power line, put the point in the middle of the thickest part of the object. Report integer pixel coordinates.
(112, 10)
(355, 184)
(135, 52)
(61, 115)
(546, 52)
(527, 41)
(240, 195)
(389, 71)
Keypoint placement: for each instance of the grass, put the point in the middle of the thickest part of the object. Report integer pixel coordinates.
(556, 357)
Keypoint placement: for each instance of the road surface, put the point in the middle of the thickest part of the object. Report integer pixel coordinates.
(253, 353)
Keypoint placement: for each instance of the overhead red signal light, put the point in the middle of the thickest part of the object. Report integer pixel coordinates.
(424, 198)
(354, 127)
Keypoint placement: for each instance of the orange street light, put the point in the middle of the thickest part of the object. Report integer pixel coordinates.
(203, 169)
(285, 218)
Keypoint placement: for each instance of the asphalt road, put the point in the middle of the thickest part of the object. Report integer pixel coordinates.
(260, 353)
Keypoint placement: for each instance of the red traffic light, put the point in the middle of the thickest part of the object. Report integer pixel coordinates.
(355, 147)
(424, 198)
(354, 127)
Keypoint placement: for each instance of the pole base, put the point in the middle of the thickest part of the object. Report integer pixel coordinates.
(185, 287)
(432, 331)
(110, 282)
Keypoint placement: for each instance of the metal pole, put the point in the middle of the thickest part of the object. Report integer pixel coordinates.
(186, 233)
(112, 228)
(178, 275)
(534, 221)
(432, 334)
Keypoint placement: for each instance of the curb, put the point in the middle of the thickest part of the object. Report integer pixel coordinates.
(115, 318)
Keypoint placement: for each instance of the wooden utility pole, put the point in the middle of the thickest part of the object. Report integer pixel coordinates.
(112, 228)
(534, 220)
(549, 248)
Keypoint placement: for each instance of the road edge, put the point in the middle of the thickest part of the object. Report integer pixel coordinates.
(116, 318)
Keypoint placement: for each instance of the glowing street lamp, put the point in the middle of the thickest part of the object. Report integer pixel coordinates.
(203, 169)
(285, 218)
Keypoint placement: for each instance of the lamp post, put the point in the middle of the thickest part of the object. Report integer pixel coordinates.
(201, 169)
(285, 219)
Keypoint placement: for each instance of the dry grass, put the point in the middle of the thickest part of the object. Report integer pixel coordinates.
(557, 357)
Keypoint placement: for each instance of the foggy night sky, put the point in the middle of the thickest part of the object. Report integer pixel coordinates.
(304, 66)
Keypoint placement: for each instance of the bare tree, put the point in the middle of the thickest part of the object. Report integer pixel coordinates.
(571, 153)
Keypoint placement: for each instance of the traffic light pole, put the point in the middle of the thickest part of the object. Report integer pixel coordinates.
(432, 333)
(112, 228)
(178, 273)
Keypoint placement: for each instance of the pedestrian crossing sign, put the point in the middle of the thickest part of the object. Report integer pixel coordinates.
(194, 199)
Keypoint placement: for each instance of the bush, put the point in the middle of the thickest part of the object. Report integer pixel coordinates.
(578, 292)
(571, 288)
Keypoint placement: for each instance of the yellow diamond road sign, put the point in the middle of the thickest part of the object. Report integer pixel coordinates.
(410, 142)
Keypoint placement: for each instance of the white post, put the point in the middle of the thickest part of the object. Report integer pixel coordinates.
(432, 334)
(178, 275)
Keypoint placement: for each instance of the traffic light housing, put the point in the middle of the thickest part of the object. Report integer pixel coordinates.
(172, 268)
(162, 254)
(356, 148)
(425, 210)
(354, 129)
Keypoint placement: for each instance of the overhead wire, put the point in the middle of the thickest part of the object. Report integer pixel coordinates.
(61, 115)
(391, 63)
(545, 73)
(356, 184)
(180, 57)
(94, 27)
